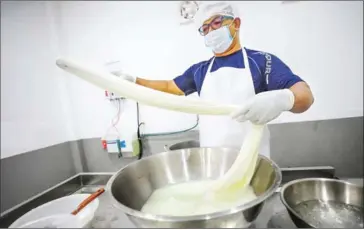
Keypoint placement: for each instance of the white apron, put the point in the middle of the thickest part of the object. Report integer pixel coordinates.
(229, 86)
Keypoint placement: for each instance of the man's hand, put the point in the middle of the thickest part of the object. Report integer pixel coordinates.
(265, 106)
(124, 76)
(167, 86)
(115, 69)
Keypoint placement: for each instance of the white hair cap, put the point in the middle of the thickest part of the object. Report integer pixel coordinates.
(209, 9)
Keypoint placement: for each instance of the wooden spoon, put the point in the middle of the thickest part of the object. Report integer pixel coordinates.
(88, 200)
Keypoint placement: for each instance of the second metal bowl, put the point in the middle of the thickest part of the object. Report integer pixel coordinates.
(323, 203)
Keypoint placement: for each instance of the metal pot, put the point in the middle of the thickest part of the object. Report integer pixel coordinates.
(130, 187)
(183, 145)
(324, 203)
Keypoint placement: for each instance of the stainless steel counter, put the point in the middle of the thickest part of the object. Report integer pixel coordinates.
(273, 214)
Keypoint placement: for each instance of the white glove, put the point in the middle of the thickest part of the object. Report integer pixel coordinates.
(264, 107)
(124, 76)
(115, 69)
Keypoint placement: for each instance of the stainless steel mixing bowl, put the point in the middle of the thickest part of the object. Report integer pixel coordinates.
(183, 145)
(130, 187)
(323, 203)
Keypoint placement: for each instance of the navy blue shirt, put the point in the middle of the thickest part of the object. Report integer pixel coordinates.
(268, 72)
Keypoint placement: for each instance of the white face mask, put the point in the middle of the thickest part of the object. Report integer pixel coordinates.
(219, 40)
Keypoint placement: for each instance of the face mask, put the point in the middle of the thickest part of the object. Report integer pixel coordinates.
(219, 40)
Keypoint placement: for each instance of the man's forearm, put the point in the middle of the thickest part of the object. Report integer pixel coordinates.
(167, 86)
(303, 97)
(153, 84)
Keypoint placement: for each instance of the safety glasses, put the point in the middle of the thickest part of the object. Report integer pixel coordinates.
(216, 23)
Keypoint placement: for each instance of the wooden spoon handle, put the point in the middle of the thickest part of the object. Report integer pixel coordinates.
(88, 200)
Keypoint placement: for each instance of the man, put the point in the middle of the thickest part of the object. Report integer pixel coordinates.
(260, 83)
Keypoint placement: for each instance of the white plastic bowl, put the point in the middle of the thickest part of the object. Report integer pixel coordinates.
(64, 205)
(55, 221)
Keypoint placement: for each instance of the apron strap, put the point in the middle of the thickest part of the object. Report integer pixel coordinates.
(246, 60)
(210, 66)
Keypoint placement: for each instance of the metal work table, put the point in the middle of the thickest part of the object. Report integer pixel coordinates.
(273, 214)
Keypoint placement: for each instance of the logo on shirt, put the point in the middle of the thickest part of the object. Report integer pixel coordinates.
(268, 66)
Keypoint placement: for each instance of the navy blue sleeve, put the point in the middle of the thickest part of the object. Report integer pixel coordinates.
(277, 74)
(186, 81)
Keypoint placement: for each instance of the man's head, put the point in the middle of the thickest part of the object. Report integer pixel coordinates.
(219, 24)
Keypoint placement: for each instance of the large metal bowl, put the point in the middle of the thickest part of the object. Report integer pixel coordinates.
(183, 145)
(130, 187)
(323, 203)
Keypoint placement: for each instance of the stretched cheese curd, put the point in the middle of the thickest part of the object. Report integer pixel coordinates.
(192, 198)
(189, 198)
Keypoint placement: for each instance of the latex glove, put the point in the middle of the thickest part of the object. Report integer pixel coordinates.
(115, 69)
(124, 76)
(264, 107)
